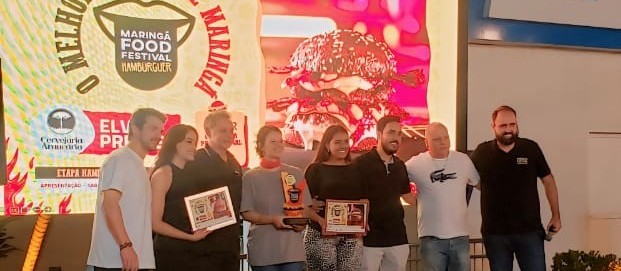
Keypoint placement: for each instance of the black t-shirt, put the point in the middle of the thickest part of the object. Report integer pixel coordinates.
(509, 197)
(385, 184)
(333, 182)
(209, 171)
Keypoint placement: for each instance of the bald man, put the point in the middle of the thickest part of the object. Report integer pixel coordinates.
(441, 176)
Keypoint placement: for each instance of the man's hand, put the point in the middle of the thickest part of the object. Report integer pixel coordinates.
(555, 222)
(549, 185)
(129, 259)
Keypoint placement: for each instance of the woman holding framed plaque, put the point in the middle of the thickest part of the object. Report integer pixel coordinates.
(274, 197)
(333, 240)
(169, 185)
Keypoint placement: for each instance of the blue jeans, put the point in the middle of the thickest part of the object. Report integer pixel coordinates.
(527, 247)
(452, 254)
(295, 266)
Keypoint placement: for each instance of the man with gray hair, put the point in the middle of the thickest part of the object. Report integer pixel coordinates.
(441, 176)
(213, 167)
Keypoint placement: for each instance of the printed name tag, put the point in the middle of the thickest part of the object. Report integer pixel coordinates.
(522, 161)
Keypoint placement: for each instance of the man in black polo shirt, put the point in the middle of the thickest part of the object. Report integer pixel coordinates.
(509, 167)
(386, 244)
(213, 167)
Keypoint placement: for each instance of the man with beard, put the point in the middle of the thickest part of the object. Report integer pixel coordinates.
(509, 167)
(122, 227)
(386, 243)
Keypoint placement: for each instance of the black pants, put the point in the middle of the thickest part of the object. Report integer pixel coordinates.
(174, 260)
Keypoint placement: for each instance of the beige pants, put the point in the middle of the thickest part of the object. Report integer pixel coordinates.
(392, 258)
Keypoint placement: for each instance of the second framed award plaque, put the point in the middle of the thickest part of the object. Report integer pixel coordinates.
(346, 216)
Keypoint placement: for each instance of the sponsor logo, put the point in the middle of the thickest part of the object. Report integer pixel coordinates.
(71, 131)
(62, 131)
(522, 161)
(34, 209)
(112, 130)
(61, 121)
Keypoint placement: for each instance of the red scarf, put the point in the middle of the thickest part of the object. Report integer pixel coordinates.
(269, 164)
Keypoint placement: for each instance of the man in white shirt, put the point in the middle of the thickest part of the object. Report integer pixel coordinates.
(441, 176)
(121, 238)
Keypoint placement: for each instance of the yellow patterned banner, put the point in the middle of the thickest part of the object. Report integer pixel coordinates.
(75, 70)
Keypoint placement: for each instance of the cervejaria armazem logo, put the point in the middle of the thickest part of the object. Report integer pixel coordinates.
(61, 121)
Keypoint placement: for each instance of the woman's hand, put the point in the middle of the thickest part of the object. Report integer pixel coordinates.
(318, 205)
(324, 225)
(199, 235)
(279, 224)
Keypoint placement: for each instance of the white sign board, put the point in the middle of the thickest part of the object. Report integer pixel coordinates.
(595, 13)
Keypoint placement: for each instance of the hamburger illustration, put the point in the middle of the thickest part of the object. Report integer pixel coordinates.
(341, 77)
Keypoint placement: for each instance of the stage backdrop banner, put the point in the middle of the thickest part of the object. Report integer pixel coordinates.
(74, 71)
(373, 61)
(349, 63)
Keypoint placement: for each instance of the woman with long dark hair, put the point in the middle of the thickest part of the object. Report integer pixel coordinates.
(169, 186)
(272, 244)
(330, 176)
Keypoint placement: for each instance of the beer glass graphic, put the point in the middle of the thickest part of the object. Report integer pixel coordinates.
(338, 213)
(145, 48)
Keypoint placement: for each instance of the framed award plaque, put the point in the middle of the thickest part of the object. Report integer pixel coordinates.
(211, 209)
(346, 216)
